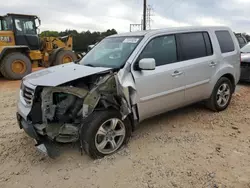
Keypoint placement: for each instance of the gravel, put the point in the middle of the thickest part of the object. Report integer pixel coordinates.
(190, 147)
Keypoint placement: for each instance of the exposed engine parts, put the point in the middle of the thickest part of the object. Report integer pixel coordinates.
(61, 103)
(64, 108)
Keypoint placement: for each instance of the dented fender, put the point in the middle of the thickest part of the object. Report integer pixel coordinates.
(72, 103)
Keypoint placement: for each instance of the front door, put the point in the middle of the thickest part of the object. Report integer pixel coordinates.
(161, 89)
(25, 32)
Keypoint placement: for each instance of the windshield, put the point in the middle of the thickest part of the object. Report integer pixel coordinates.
(25, 26)
(111, 52)
(246, 48)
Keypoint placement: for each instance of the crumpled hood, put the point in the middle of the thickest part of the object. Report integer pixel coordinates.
(61, 74)
(245, 57)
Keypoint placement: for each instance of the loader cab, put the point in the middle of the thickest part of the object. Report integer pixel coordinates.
(24, 28)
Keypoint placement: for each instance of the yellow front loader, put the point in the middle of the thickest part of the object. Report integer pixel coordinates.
(21, 49)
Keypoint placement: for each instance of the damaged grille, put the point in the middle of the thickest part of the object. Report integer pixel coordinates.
(28, 95)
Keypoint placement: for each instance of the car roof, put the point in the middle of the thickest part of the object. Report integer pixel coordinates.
(169, 30)
(20, 15)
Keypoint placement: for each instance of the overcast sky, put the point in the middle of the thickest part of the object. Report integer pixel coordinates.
(100, 15)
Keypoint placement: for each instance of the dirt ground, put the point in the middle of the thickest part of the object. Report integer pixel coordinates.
(190, 147)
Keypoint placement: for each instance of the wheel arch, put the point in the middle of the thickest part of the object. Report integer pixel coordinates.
(10, 49)
(231, 78)
(228, 71)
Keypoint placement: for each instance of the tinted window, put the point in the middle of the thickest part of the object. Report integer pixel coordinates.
(193, 46)
(225, 41)
(162, 49)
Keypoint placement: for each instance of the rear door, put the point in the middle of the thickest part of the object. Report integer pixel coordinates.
(161, 89)
(200, 64)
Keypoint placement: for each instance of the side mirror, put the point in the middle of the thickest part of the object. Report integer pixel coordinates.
(147, 64)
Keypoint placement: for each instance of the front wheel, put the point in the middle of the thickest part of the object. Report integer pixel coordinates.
(221, 96)
(104, 132)
(15, 66)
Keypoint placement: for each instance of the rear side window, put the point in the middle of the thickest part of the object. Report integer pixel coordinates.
(225, 41)
(195, 45)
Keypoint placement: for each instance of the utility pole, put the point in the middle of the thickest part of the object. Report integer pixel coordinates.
(145, 22)
(144, 14)
(148, 17)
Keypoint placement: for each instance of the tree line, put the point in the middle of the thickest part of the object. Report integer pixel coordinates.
(81, 40)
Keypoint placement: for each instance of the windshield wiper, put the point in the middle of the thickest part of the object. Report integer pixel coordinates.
(89, 65)
(77, 61)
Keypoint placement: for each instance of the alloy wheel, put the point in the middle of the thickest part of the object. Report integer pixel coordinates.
(110, 136)
(223, 95)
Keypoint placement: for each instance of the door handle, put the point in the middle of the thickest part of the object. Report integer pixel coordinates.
(212, 64)
(177, 73)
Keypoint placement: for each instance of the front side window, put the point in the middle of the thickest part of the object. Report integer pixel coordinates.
(225, 40)
(25, 26)
(111, 52)
(162, 49)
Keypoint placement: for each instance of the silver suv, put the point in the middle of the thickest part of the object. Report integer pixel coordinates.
(125, 79)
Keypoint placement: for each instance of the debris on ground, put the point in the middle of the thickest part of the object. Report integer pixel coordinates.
(190, 147)
(235, 127)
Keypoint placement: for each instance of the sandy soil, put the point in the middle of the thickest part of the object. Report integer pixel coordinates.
(190, 147)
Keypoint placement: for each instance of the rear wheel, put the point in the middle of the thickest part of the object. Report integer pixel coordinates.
(65, 56)
(15, 66)
(221, 96)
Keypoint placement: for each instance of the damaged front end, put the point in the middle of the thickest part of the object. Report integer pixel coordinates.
(58, 113)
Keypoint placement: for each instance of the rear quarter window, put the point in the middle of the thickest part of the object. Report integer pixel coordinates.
(225, 40)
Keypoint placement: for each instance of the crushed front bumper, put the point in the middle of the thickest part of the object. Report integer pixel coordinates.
(27, 127)
(43, 144)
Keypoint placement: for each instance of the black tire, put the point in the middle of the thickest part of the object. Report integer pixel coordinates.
(6, 66)
(92, 124)
(62, 54)
(212, 103)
